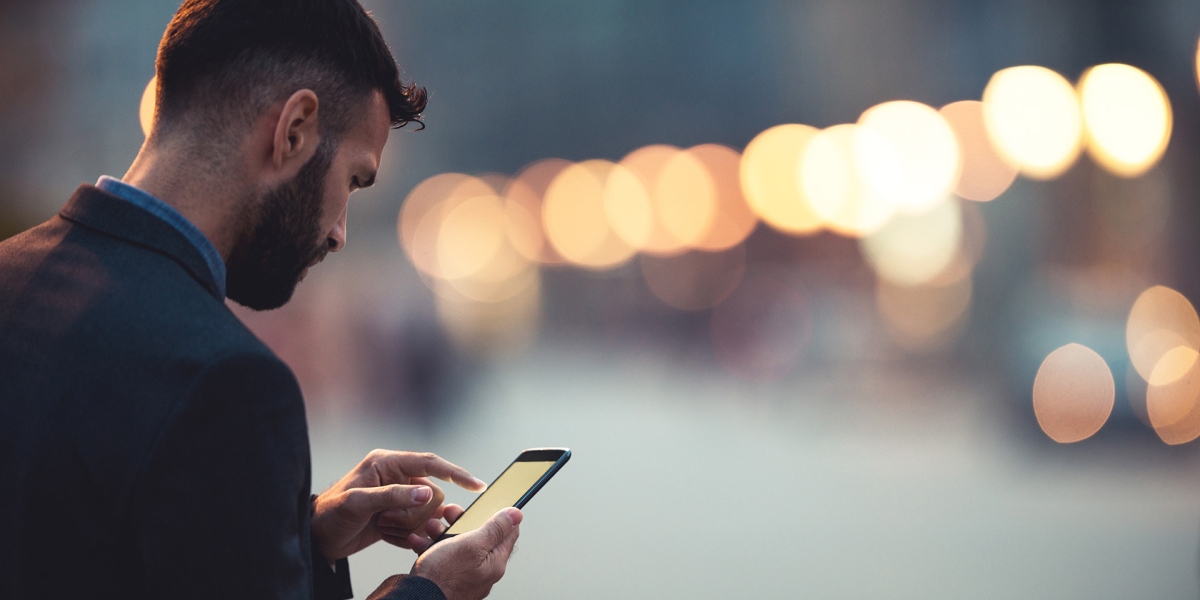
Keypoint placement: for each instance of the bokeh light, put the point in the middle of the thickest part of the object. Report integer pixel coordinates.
(761, 329)
(984, 174)
(1073, 393)
(421, 215)
(466, 240)
(831, 179)
(629, 208)
(769, 179)
(685, 199)
(1174, 407)
(1162, 335)
(695, 280)
(633, 203)
(928, 317)
(1033, 118)
(1127, 116)
(913, 161)
(470, 236)
(575, 219)
(146, 110)
(734, 220)
(528, 190)
(914, 249)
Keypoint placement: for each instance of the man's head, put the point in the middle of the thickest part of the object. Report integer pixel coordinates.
(288, 104)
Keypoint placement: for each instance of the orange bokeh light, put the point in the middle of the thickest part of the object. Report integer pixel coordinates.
(734, 220)
(636, 199)
(470, 235)
(1161, 321)
(685, 200)
(1073, 394)
(575, 219)
(421, 215)
(1174, 408)
(465, 239)
(769, 170)
(985, 175)
(528, 190)
(146, 110)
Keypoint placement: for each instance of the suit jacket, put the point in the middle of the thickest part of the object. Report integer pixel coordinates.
(150, 445)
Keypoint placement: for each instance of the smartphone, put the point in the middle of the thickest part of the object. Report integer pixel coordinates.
(514, 487)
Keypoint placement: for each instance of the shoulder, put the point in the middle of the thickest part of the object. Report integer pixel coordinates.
(121, 326)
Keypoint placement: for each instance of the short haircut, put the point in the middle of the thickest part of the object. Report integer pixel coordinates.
(222, 63)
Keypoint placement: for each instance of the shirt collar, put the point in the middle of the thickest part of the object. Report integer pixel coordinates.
(164, 211)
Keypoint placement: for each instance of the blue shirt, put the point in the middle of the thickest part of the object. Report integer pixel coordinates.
(164, 211)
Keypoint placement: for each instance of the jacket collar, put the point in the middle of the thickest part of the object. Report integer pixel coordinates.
(99, 210)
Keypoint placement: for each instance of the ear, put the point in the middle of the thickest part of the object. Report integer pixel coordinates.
(296, 134)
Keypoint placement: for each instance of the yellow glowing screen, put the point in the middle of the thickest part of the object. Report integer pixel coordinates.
(504, 492)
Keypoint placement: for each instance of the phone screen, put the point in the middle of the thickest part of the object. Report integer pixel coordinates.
(503, 493)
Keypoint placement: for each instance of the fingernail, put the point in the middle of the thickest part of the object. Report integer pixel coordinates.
(514, 516)
(422, 495)
(479, 482)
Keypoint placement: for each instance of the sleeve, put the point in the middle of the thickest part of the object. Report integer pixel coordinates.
(407, 587)
(221, 509)
(329, 582)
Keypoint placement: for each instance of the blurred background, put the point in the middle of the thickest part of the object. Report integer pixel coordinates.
(830, 299)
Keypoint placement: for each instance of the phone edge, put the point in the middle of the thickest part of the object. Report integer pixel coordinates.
(523, 500)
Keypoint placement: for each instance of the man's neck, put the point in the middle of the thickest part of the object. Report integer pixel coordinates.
(209, 201)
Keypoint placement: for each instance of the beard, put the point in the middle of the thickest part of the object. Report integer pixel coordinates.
(281, 238)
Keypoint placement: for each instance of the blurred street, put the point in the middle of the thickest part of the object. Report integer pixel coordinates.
(685, 486)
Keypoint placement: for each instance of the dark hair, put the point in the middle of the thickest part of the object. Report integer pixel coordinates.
(222, 63)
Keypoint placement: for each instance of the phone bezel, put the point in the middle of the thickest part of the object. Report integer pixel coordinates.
(560, 456)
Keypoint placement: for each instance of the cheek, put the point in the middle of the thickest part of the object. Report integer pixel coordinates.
(333, 206)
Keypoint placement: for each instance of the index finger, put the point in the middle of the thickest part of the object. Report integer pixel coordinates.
(427, 464)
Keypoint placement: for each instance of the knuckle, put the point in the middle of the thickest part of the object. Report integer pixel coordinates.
(354, 497)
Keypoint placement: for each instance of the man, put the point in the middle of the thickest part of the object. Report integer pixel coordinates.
(150, 446)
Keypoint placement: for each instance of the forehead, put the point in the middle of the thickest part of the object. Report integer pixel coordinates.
(369, 131)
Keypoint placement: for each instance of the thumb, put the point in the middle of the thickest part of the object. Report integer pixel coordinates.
(368, 501)
(497, 528)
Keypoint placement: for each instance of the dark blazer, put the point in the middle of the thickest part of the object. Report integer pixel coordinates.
(150, 445)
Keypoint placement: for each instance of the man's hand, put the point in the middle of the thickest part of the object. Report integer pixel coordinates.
(387, 496)
(466, 566)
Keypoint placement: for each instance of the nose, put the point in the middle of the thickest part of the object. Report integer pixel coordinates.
(336, 239)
